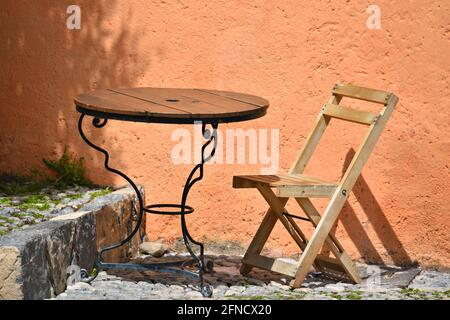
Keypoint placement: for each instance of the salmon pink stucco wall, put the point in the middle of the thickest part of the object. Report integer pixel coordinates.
(289, 52)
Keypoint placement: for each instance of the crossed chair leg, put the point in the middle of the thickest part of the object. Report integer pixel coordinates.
(337, 267)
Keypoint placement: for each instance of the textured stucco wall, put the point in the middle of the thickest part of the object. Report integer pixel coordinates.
(290, 52)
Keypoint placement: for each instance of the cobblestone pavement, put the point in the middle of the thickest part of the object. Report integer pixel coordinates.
(22, 211)
(379, 283)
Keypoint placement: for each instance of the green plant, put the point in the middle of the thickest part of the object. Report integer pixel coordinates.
(100, 193)
(70, 171)
(336, 296)
(414, 293)
(278, 295)
(410, 291)
(75, 196)
(37, 215)
(236, 297)
(44, 207)
(35, 198)
(256, 298)
(19, 215)
(9, 220)
(296, 296)
(5, 201)
(354, 296)
(36, 201)
(55, 201)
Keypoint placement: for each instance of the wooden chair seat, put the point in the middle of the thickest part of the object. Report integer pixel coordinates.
(288, 185)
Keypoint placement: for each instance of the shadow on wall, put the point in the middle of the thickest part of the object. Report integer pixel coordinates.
(45, 65)
(378, 221)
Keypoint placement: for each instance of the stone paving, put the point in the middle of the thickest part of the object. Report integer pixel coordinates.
(21, 211)
(379, 283)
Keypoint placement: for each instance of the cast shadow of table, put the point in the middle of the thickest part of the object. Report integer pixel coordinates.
(226, 273)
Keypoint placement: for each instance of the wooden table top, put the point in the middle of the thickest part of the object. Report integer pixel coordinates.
(166, 105)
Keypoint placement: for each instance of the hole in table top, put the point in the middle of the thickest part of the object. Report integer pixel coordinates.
(172, 100)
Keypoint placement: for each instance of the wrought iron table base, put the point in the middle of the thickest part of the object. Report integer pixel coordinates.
(182, 210)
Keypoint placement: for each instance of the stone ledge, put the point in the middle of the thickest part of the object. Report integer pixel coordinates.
(34, 261)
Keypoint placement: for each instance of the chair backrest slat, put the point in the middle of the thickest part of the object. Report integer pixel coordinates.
(349, 90)
(349, 114)
(332, 109)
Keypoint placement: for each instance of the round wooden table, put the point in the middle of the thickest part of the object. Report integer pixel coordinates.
(164, 105)
(171, 105)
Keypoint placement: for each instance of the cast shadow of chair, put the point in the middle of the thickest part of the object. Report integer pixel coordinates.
(378, 221)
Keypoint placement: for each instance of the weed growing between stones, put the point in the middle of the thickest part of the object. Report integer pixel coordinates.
(5, 201)
(99, 193)
(236, 297)
(75, 196)
(439, 295)
(37, 215)
(354, 296)
(70, 171)
(4, 220)
(417, 294)
(344, 295)
(35, 201)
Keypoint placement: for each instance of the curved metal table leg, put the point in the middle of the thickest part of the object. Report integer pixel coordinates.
(100, 123)
(185, 209)
(211, 137)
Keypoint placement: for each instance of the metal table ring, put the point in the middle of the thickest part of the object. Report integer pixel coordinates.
(152, 209)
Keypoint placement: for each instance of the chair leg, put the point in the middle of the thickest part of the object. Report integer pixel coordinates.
(277, 205)
(260, 238)
(331, 241)
(317, 240)
(276, 212)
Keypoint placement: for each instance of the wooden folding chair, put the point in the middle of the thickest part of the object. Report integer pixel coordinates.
(277, 189)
